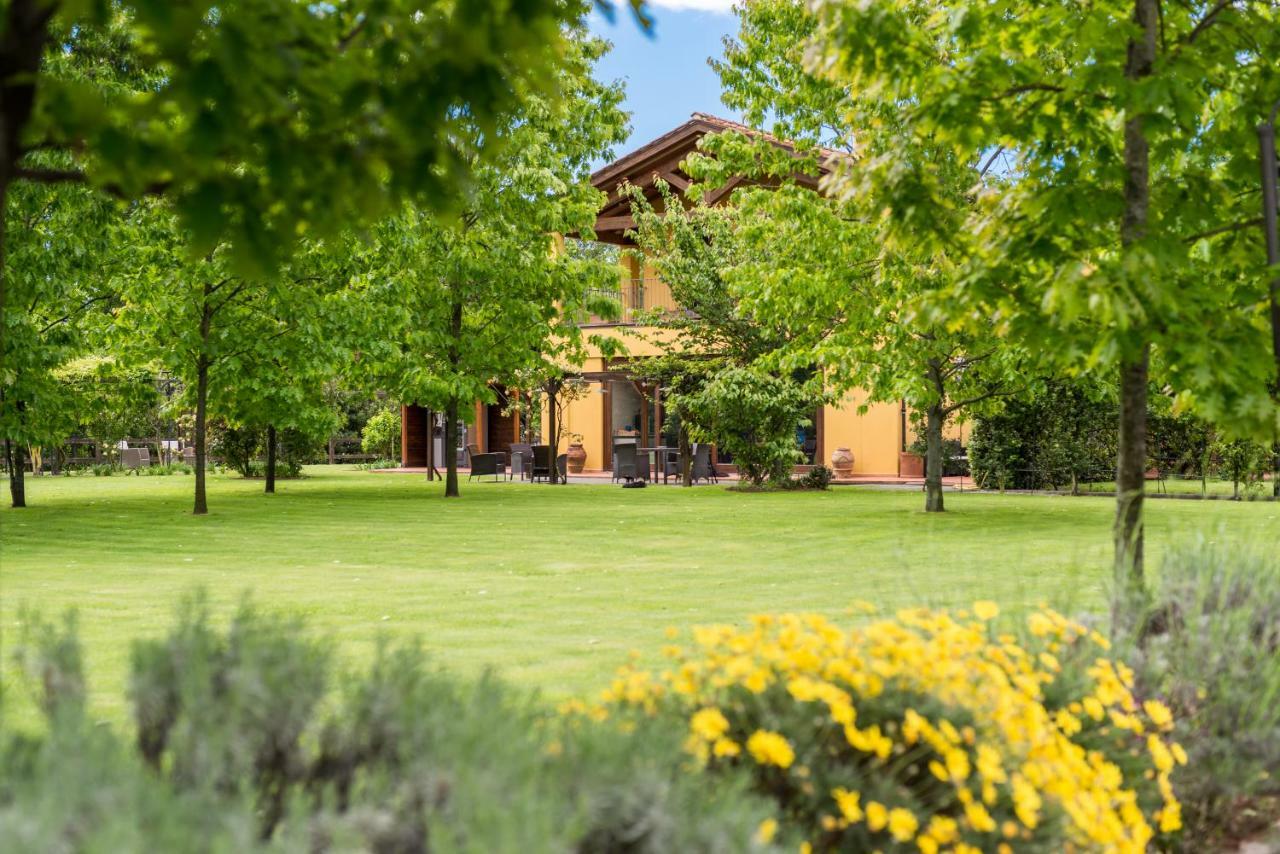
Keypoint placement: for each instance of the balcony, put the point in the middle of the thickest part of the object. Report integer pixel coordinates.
(642, 301)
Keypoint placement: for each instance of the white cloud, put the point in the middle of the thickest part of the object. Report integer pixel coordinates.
(700, 5)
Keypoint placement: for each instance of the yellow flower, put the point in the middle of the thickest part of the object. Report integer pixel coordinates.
(725, 747)
(847, 802)
(986, 610)
(902, 824)
(1160, 754)
(767, 830)
(1159, 714)
(1171, 817)
(1178, 753)
(979, 819)
(769, 748)
(1039, 624)
(944, 829)
(709, 723)
(877, 816)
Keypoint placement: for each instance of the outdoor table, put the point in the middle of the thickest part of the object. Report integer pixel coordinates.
(658, 451)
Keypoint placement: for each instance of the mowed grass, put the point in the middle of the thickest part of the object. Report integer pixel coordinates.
(553, 586)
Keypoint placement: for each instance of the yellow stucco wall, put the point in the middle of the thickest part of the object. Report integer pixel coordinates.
(585, 417)
(874, 437)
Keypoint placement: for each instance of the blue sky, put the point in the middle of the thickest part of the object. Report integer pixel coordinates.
(666, 71)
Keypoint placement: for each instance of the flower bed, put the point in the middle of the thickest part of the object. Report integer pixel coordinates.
(926, 732)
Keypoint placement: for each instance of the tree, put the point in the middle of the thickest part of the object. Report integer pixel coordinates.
(280, 385)
(691, 246)
(862, 310)
(264, 120)
(252, 349)
(57, 249)
(1125, 220)
(483, 297)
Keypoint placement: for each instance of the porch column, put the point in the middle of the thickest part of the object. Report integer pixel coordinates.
(415, 436)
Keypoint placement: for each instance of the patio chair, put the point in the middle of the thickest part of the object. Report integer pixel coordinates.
(541, 467)
(625, 462)
(133, 458)
(702, 467)
(473, 450)
(482, 464)
(521, 459)
(670, 465)
(189, 455)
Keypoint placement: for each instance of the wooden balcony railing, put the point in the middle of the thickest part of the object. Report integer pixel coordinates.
(640, 300)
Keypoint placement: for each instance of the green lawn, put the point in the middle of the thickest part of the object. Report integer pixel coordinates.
(552, 585)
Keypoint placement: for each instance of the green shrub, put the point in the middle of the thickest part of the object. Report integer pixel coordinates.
(1209, 644)
(752, 416)
(818, 477)
(105, 469)
(237, 447)
(284, 468)
(246, 740)
(1058, 438)
(1244, 462)
(374, 465)
(954, 462)
(162, 470)
(381, 435)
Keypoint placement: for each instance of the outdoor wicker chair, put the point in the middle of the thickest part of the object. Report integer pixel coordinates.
(482, 464)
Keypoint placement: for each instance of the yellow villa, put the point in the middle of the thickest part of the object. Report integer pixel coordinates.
(619, 406)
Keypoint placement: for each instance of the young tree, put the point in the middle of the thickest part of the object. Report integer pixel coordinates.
(57, 249)
(694, 249)
(1126, 220)
(479, 298)
(253, 349)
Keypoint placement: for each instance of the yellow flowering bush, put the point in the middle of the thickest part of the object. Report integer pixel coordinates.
(926, 732)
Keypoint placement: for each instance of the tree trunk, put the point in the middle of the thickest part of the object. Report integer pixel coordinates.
(271, 460)
(553, 427)
(1131, 456)
(451, 448)
(451, 409)
(202, 399)
(1131, 468)
(686, 455)
(935, 417)
(17, 475)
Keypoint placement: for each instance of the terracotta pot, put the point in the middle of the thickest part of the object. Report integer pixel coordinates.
(842, 462)
(910, 465)
(577, 458)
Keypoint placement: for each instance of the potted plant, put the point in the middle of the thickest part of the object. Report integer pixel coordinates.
(911, 460)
